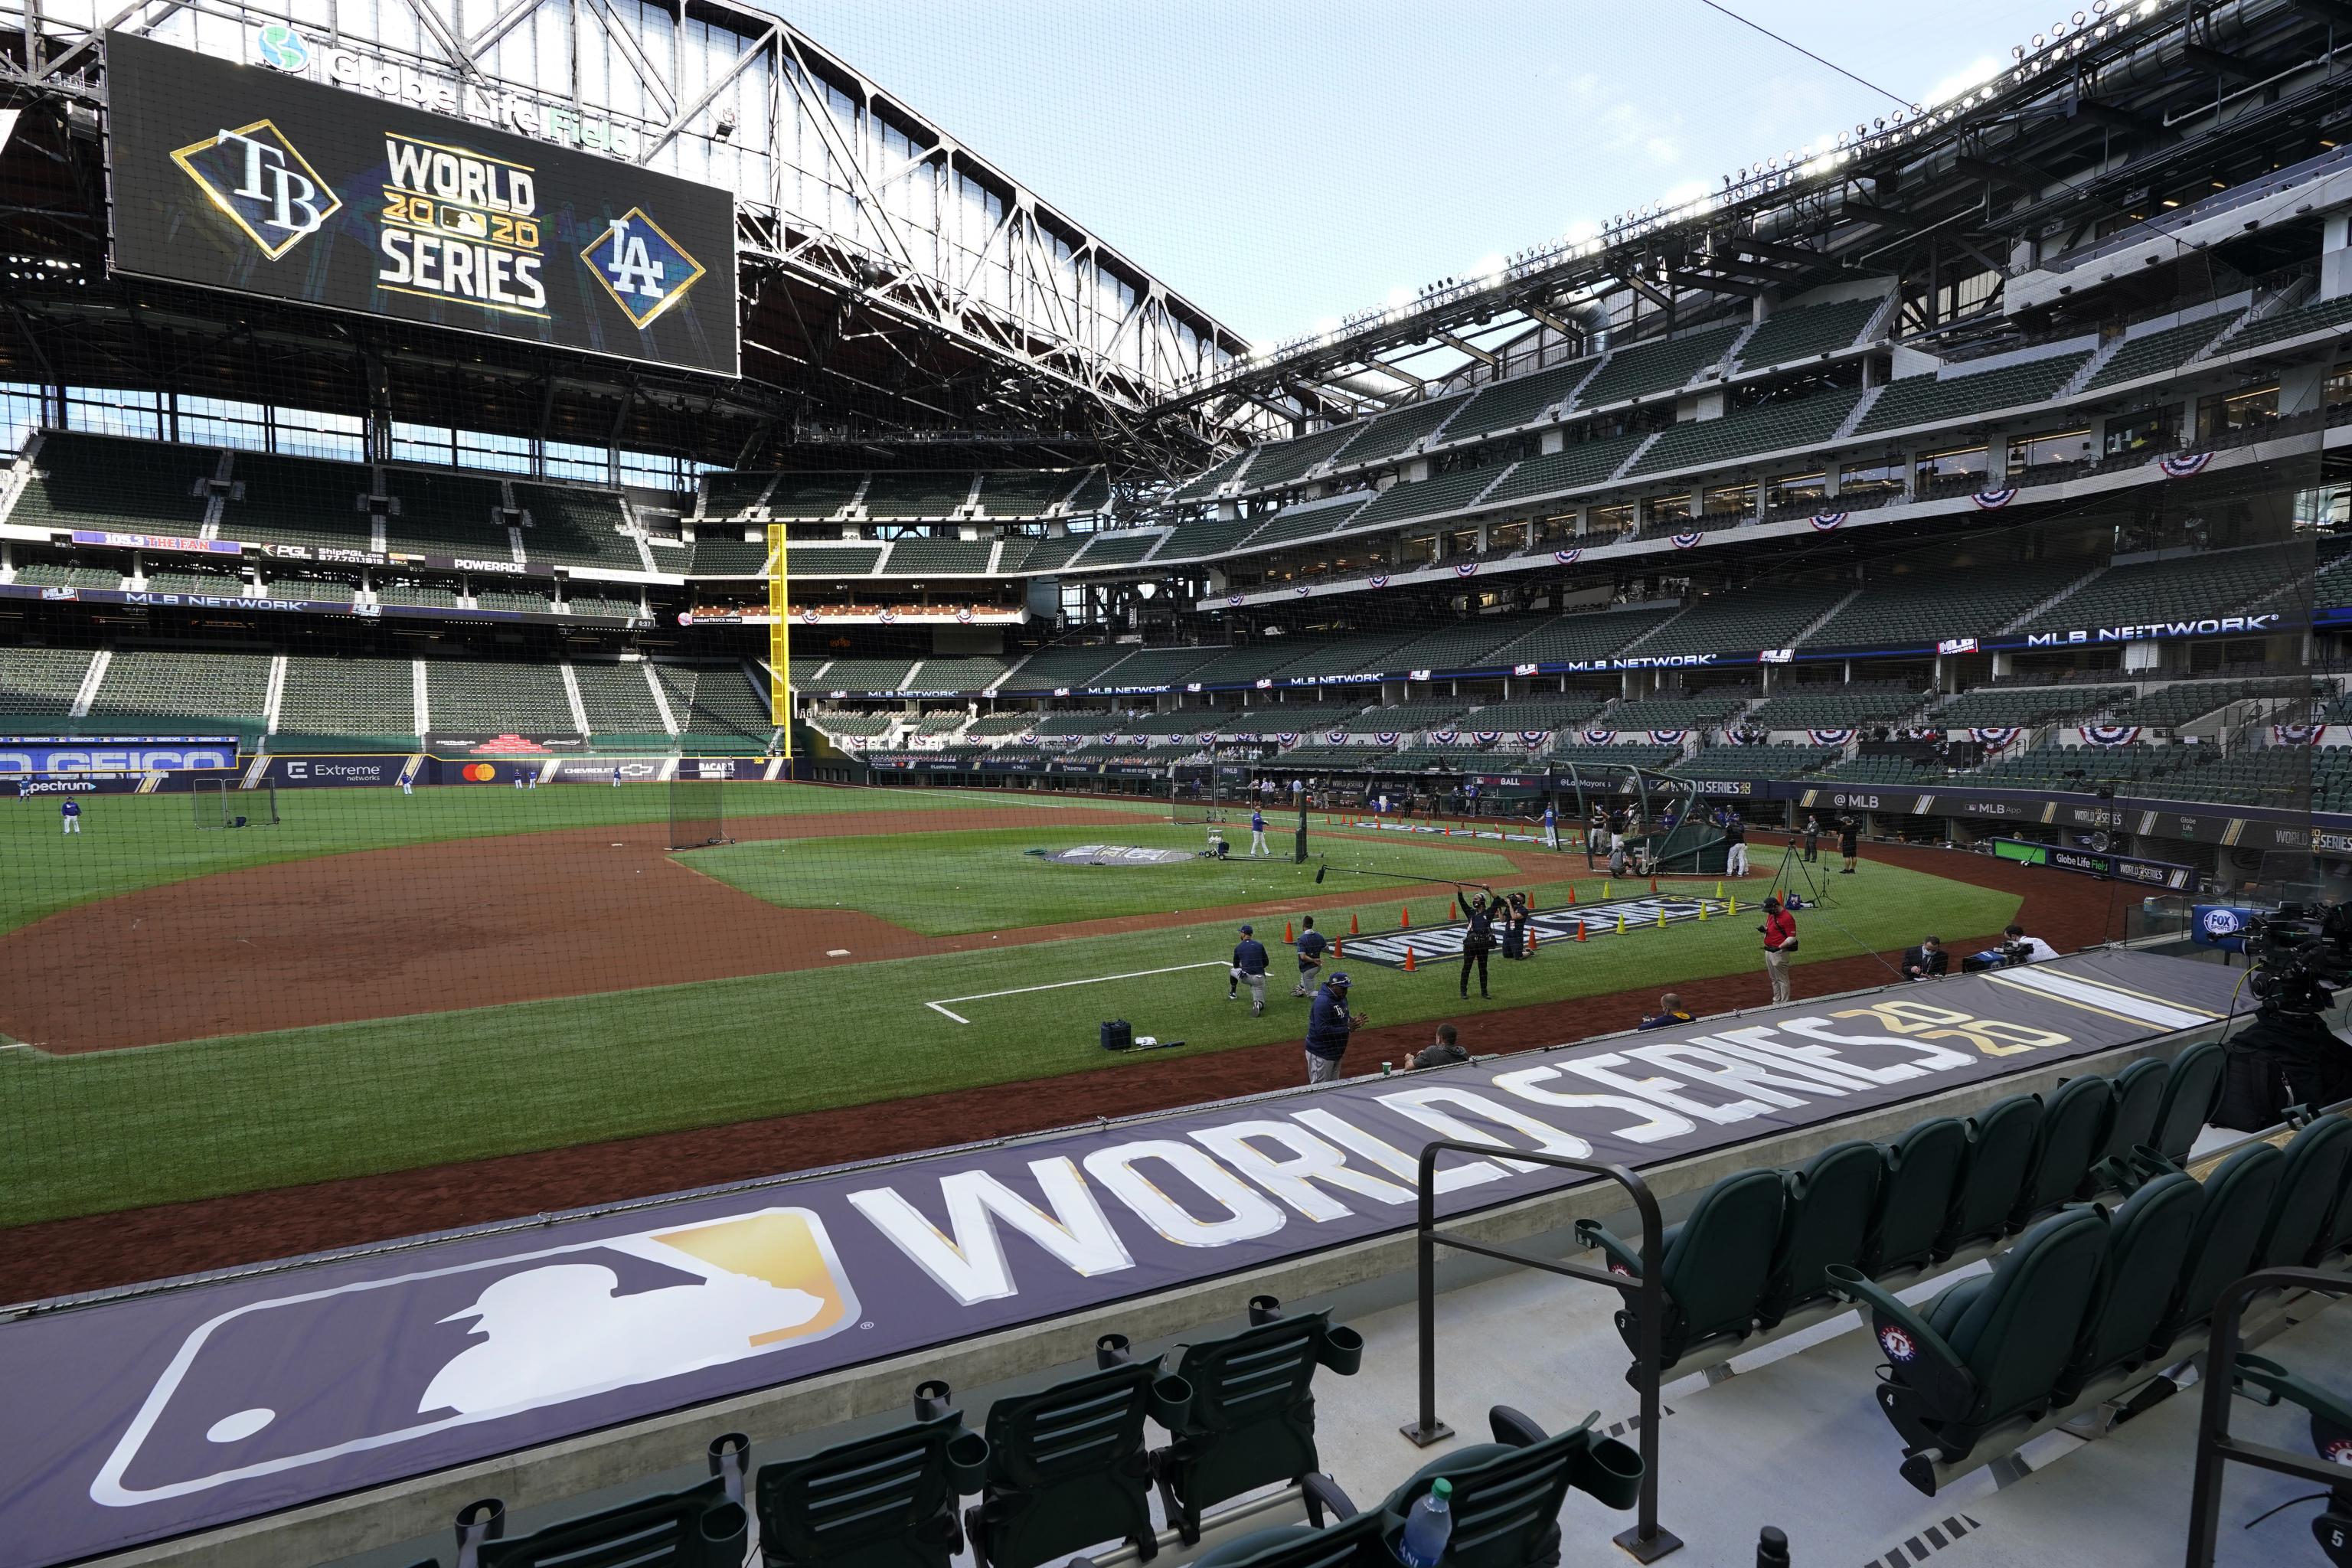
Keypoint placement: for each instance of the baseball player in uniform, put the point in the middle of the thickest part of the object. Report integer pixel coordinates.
(70, 809)
(1250, 965)
(1257, 835)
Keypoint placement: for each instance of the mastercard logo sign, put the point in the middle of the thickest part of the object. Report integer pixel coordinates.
(478, 772)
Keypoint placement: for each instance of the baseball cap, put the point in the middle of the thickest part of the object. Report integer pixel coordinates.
(1339, 979)
(1245, 930)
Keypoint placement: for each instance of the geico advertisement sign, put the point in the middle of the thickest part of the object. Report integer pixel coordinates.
(244, 1396)
(115, 759)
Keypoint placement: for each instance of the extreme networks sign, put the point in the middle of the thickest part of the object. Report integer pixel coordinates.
(2153, 631)
(174, 1411)
(21, 755)
(229, 176)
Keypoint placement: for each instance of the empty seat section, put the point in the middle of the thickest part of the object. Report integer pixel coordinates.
(957, 674)
(447, 514)
(1825, 1220)
(2223, 583)
(1648, 369)
(2326, 315)
(618, 698)
(1025, 492)
(2027, 704)
(2238, 1197)
(1152, 667)
(1069, 1468)
(1711, 1267)
(225, 689)
(1952, 394)
(830, 559)
(811, 496)
(68, 573)
(1311, 520)
(580, 528)
(884, 1501)
(919, 494)
(2147, 1248)
(609, 605)
(1046, 554)
(723, 556)
(326, 704)
(106, 482)
(188, 578)
(1920, 608)
(1591, 634)
(940, 557)
(1205, 539)
(1572, 468)
(1281, 462)
(1807, 332)
(2298, 1225)
(1772, 428)
(2073, 1133)
(420, 594)
(472, 698)
(297, 501)
(1118, 547)
(1758, 617)
(1838, 708)
(1920, 1177)
(541, 603)
(863, 674)
(1393, 433)
(1049, 668)
(41, 681)
(1758, 762)
(2153, 354)
(719, 709)
(730, 493)
(1205, 483)
(1519, 401)
(2002, 1138)
(1454, 491)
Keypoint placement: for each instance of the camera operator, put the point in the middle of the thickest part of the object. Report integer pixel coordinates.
(2019, 948)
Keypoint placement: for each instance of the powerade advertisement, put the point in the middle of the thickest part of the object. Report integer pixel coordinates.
(243, 177)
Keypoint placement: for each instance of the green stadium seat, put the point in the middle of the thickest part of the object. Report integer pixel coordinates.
(2139, 1098)
(2299, 1223)
(1989, 1348)
(2147, 1247)
(2001, 1141)
(1068, 1468)
(1826, 1220)
(704, 1526)
(2191, 1093)
(1922, 1173)
(1355, 1541)
(2072, 1135)
(2336, 1239)
(1508, 1495)
(1712, 1266)
(1250, 1422)
(884, 1501)
(2237, 1205)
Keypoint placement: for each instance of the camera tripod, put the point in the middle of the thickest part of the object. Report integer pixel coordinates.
(1794, 867)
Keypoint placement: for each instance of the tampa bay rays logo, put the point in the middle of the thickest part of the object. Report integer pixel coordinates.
(258, 177)
(643, 268)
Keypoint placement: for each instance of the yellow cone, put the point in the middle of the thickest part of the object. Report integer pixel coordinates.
(1661, 917)
(1621, 925)
(1735, 903)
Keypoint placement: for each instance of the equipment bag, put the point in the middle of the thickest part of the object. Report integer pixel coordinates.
(1117, 1035)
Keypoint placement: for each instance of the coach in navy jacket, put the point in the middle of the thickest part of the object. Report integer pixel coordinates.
(1249, 967)
(1328, 1023)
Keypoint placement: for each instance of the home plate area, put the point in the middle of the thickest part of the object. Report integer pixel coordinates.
(1616, 917)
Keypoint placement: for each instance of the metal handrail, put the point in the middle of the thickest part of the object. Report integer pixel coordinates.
(2215, 1446)
(1646, 1542)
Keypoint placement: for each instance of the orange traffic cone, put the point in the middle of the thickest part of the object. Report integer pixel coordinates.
(1531, 941)
(1408, 965)
(1571, 893)
(1339, 950)
(1404, 916)
(1653, 884)
(1580, 930)
(1353, 929)
(1287, 936)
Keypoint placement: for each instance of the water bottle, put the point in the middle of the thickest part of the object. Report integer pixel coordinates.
(1428, 1527)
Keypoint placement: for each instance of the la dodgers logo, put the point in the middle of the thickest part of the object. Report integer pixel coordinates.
(643, 268)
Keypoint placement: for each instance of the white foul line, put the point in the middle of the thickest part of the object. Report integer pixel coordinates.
(1058, 985)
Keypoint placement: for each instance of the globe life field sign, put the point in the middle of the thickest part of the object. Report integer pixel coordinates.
(233, 177)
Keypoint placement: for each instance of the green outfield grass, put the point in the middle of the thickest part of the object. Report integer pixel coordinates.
(961, 882)
(133, 841)
(94, 1133)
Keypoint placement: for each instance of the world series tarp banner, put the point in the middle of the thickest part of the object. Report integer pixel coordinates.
(163, 1413)
(236, 177)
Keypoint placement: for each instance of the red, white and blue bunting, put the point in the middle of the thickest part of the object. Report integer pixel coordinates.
(1525, 669)
(963, 616)
(887, 616)
(1993, 500)
(2181, 465)
(1465, 568)
(1825, 520)
(1300, 590)
(1386, 737)
(1684, 541)
(1830, 737)
(1993, 737)
(2295, 734)
(1288, 737)
(1742, 738)
(1567, 557)
(1534, 738)
(1232, 598)
(1600, 737)
(1667, 737)
(1379, 579)
(808, 618)
(1338, 737)
(2110, 734)
(1489, 737)
(1445, 737)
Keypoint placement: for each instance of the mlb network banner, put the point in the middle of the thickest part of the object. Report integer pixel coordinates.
(235, 176)
(164, 1414)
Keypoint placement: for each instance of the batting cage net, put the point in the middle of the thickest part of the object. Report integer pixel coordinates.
(571, 766)
(697, 813)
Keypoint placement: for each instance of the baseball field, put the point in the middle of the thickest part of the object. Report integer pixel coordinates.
(383, 982)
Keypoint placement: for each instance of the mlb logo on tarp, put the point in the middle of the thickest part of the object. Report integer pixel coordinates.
(643, 268)
(521, 1332)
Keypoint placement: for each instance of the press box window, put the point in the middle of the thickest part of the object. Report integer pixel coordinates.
(2222, 413)
(1859, 481)
(2050, 446)
(1958, 462)
(1659, 509)
(2149, 430)
(1617, 519)
(1730, 501)
(1796, 489)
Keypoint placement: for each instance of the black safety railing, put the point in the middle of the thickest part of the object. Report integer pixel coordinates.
(1646, 1542)
(2216, 1448)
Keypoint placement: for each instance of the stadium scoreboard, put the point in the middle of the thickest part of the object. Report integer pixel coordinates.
(233, 176)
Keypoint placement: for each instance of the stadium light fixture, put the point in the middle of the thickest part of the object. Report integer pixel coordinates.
(725, 127)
